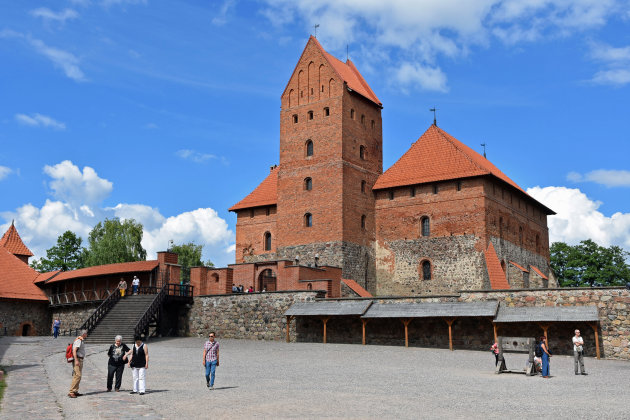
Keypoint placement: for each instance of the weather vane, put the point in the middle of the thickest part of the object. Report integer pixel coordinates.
(434, 115)
(484, 149)
(316, 26)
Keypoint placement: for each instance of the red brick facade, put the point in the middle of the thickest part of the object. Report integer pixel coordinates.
(328, 201)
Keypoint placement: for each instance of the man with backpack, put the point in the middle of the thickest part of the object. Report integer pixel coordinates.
(78, 354)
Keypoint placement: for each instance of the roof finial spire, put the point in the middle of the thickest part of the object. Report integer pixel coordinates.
(316, 26)
(347, 49)
(434, 115)
(484, 149)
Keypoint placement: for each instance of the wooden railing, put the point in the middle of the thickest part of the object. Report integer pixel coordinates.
(100, 312)
(80, 296)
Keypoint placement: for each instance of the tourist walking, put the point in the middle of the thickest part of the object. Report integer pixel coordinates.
(135, 283)
(545, 356)
(139, 364)
(55, 327)
(78, 352)
(578, 353)
(210, 359)
(116, 365)
(495, 350)
(122, 286)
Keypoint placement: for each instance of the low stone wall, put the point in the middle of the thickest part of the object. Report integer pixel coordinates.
(72, 317)
(24, 317)
(255, 316)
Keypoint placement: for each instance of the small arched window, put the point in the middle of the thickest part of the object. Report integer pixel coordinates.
(309, 148)
(310, 115)
(308, 220)
(425, 226)
(267, 241)
(362, 152)
(295, 118)
(362, 119)
(308, 184)
(326, 112)
(309, 286)
(363, 184)
(426, 270)
(363, 221)
(352, 114)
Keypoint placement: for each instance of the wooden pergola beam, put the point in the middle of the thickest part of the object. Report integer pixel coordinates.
(495, 327)
(450, 321)
(594, 327)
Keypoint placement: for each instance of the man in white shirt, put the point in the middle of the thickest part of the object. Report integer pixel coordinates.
(135, 283)
(578, 352)
(78, 352)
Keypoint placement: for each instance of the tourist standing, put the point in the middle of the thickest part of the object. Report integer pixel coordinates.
(545, 356)
(210, 359)
(139, 364)
(495, 350)
(78, 352)
(116, 365)
(122, 286)
(55, 327)
(578, 353)
(135, 283)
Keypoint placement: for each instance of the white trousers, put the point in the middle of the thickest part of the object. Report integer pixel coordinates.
(138, 379)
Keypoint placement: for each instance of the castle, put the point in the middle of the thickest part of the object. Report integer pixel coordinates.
(443, 218)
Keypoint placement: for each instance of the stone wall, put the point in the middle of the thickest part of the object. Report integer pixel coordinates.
(30, 317)
(72, 317)
(255, 316)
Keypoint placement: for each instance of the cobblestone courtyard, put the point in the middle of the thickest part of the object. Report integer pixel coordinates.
(302, 380)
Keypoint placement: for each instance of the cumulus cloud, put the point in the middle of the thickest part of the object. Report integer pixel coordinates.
(76, 207)
(4, 172)
(419, 32)
(607, 177)
(39, 120)
(578, 218)
(48, 15)
(194, 155)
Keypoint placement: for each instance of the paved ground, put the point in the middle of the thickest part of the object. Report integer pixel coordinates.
(280, 380)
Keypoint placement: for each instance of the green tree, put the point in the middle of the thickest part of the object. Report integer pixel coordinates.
(189, 255)
(66, 255)
(113, 241)
(588, 264)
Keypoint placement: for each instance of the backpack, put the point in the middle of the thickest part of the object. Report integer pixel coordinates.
(538, 351)
(69, 356)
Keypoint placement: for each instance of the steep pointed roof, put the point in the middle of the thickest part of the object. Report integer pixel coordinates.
(265, 194)
(495, 272)
(347, 72)
(17, 280)
(12, 242)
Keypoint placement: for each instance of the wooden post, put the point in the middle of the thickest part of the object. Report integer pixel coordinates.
(364, 322)
(495, 327)
(450, 321)
(325, 321)
(406, 322)
(545, 327)
(594, 327)
(289, 318)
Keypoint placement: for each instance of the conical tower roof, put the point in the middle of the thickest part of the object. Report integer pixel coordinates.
(12, 242)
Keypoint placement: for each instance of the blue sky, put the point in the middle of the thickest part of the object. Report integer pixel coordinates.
(168, 112)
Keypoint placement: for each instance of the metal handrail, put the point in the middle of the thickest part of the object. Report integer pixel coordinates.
(100, 312)
(151, 310)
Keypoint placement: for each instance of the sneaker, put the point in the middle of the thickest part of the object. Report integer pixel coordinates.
(211, 387)
(584, 373)
(133, 392)
(142, 393)
(72, 395)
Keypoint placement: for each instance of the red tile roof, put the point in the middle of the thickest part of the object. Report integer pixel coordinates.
(520, 267)
(495, 272)
(265, 194)
(539, 272)
(356, 288)
(43, 277)
(17, 279)
(13, 243)
(103, 270)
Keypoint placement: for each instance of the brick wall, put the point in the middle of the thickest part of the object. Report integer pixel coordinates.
(252, 225)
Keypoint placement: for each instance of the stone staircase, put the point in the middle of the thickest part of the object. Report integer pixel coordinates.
(121, 320)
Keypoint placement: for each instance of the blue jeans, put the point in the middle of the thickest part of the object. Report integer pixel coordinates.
(134, 289)
(210, 368)
(55, 331)
(545, 364)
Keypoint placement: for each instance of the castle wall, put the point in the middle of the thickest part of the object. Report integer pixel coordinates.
(72, 317)
(14, 314)
(251, 227)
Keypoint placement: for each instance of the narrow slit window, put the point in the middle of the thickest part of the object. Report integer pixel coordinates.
(308, 220)
(352, 114)
(309, 148)
(362, 152)
(308, 184)
(426, 270)
(363, 184)
(326, 112)
(425, 226)
(363, 221)
(295, 118)
(310, 115)
(267, 241)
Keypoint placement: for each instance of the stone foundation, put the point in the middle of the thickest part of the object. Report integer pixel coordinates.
(72, 317)
(24, 318)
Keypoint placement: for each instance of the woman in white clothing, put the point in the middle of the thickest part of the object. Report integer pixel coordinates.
(139, 363)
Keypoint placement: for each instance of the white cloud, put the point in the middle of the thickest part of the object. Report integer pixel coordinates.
(418, 32)
(48, 15)
(39, 120)
(65, 60)
(578, 218)
(76, 209)
(194, 155)
(617, 62)
(73, 186)
(220, 18)
(108, 3)
(4, 172)
(606, 177)
(616, 77)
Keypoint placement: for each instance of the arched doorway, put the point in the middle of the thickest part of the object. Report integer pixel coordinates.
(267, 281)
(26, 329)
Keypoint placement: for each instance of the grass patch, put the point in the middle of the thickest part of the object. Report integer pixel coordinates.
(3, 382)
